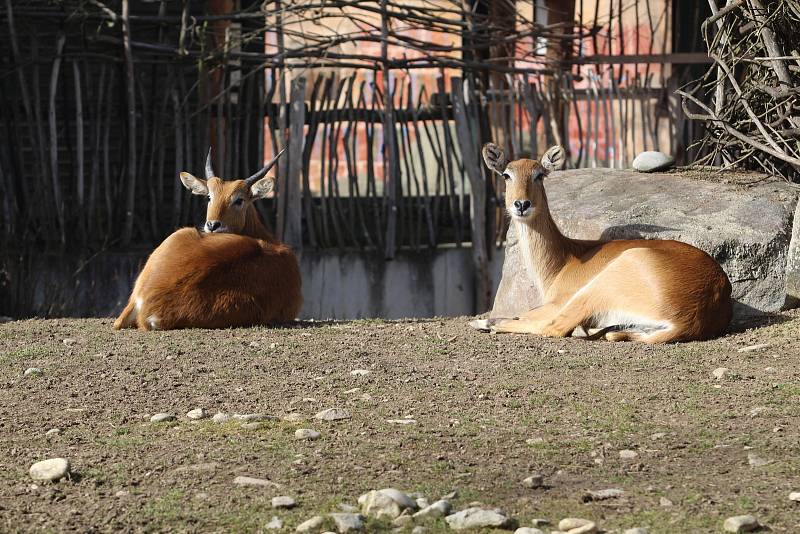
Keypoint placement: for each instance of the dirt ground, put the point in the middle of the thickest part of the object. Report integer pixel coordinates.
(490, 410)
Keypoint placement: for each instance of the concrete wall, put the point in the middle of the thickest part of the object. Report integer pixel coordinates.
(335, 286)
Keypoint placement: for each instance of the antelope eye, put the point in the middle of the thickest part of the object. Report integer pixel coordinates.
(208, 197)
(238, 202)
(506, 176)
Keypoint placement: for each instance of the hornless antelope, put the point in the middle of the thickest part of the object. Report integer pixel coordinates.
(234, 274)
(642, 290)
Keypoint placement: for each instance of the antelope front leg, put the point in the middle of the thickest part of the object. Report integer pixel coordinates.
(537, 321)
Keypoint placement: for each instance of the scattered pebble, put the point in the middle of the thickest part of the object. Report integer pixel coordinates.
(32, 371)
(122, 493)
(333, 414)
(346, 522)
(528, 530)
(293, 418)
(359, 372)
(310, 524)
(352, 391)
(602, 495)
(658, 435)
(196, 414)
(539, 522)
(535, 441)
(476, 517)
(575, 525)
(741, 523)
(438, 509)
(534, 481)
(419, 529)
(50, 470)
(221, 417)
(752, 348)
(652, 161)
(162, 418)
(637, 530)
(69, 341)
(53, 432)
(402, 421)
(283, 501)
(720, 372)
(250, 481)
(756, 461)
(274, 524)
(387, 502)
(627, 454)
(666, 503)
(421, 501)
(307, 434)
(403, 520)
(794, 496)
(254, 417)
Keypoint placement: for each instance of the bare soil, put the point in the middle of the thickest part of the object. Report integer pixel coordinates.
(490, 410)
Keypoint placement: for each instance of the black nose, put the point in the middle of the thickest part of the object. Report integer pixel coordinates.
(522, 205)
(212, 225)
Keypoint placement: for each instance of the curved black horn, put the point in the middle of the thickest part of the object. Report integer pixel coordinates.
(260, 174)
(209, 168)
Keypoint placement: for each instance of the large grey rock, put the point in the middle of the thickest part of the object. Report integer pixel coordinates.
(477, 518)
(750, 228)
(387, 502)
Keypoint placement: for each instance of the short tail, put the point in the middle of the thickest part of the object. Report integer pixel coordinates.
(127, 318)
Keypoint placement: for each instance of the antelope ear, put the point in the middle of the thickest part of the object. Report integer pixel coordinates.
(194, 184)
(494, 157)
(554, 158)
(261, 188)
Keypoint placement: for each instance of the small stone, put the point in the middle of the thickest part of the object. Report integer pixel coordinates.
(352, 391)
(602, 495)
(627, 454)
(221, 417)
(403, 520)
(652, 161)
(251, 481)
(657, 436)
(53, 432)
(438, 509)
(162, 418)
(756, 461)
(254, 417)
(333, 414)
(50, 470)
(475, 517)
(419, 529)
(283, 501)
(293, 417)
(32, 371)
(539, 522)
(758, 410)
(720, 372)
(528, 530)
(794, 496)
(741, 523)
(534, 481)
(535, 441)
(274, 524)
(422, 501)
(252, 426)
(69, 341)
(387, 502)
(359, 372)
(637, 530)
(348, 522)
(402, 421)
(196, 414)
(663, 501)
(310, 524)
(753, 348)
(575, 525)
(307, 434)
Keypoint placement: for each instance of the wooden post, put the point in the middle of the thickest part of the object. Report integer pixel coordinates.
(293, 230)
(469, 153)
(389, 141)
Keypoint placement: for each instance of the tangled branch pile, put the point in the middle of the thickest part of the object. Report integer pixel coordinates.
(753, 89)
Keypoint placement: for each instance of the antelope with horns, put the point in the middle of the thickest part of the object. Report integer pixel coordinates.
(642, 290)
(234, 273)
